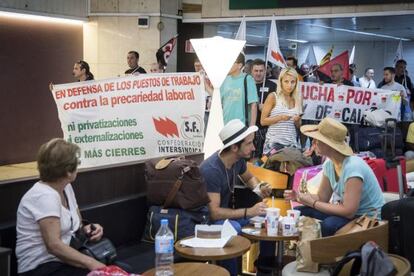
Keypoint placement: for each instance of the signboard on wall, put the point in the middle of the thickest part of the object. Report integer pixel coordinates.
(133, 118)
(274, 4)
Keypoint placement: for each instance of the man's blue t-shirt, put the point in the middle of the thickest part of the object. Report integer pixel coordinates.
(353, 166)
(233, 97)
(219, 179)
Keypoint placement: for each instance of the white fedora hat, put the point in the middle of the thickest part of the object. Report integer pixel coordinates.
(233, 132)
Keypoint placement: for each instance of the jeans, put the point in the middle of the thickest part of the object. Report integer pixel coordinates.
(267, 249)
(329, 223)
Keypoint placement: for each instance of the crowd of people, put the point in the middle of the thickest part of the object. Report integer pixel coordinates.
(262, 110)
(276, 103)
(245, 95)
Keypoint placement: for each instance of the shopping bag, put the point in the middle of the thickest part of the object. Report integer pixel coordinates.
(361, 223)
(309, 229)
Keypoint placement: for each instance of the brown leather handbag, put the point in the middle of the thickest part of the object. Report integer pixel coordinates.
(175, 183)
(361, 223)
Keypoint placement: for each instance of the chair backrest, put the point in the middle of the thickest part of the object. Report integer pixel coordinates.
(276, 179)
(327, 250)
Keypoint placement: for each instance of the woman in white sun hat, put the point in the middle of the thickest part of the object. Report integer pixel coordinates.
(346, 177)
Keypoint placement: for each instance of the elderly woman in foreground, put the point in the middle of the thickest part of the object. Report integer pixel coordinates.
(48, 215)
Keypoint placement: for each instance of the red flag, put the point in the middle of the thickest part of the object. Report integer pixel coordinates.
(342, 59)
(165, 51)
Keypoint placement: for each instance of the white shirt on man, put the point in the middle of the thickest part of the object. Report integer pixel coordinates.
(39, 202)
(367, 83)
(395, 86)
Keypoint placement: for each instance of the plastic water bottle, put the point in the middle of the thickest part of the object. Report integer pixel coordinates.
(164, 250)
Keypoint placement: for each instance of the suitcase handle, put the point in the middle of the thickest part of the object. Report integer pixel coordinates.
(390, 123)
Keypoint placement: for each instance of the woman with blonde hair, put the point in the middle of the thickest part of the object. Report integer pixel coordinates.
(281, 112)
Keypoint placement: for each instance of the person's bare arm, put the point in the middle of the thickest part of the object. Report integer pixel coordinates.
(252, 182)
(297, 121)
(350, 204)
(219, 213)
(50, 230)
(253, 113)
(265, 119)
(325, 190)
(324, 194)
(94, 235)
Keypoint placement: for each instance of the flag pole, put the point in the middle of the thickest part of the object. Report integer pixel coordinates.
(266, 60)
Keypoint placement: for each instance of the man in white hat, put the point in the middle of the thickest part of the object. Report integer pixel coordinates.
(221, 171)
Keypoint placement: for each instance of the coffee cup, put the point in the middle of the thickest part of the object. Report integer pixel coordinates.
(272, 225)
(295, 214)
(273, 212)
(288, 226)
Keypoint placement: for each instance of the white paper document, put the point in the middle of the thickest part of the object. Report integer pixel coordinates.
(257, 219)
(206, 243)
(227, 233)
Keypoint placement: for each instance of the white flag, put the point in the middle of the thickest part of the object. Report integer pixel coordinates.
(352, 56)
(274, 55)
(241, 32)
(399, 53)
(311, 58)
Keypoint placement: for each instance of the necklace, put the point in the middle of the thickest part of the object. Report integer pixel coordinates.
(231, 187)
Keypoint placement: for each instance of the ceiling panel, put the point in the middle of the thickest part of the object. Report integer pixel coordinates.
(352, 29)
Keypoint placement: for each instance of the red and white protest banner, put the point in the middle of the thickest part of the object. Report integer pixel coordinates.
(346, 103)
(133, 118)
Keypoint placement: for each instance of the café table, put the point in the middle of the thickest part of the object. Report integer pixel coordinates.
(236, 247)
(255, 234)
(191, 269)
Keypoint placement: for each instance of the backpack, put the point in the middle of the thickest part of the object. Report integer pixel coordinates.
(369, 261)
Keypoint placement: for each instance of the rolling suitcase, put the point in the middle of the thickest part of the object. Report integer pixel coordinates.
(385, 169)
(387, 174)
(399, 216)
(369, 138)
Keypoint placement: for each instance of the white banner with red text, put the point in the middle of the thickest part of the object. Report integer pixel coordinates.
(347, 104)
(133, 118)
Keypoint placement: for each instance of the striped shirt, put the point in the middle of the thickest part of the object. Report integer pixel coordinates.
(283, 132)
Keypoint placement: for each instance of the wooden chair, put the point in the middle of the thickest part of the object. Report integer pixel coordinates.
(327, 250)
(401, 264)
(276, 180)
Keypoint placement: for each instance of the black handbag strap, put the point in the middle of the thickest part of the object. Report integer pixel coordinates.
(356, 266)
(174, 190)
(246, 104)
